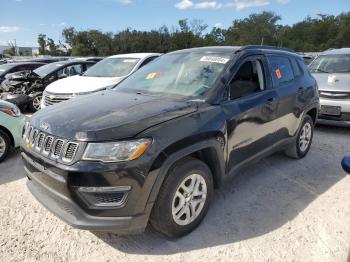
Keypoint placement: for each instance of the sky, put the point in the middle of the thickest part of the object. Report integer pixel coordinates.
(24, 20)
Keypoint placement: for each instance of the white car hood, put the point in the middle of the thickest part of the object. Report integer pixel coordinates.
(81, 84)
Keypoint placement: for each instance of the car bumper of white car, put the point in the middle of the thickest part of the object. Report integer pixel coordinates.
(334, 112)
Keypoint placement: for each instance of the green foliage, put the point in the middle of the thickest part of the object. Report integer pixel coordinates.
(311, 34)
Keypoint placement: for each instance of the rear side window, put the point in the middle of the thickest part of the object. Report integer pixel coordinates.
(281, 69)
(296, 69)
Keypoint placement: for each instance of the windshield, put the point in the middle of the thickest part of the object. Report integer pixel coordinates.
(112, 67)
(184, 74)
(47, 69)
(331, 64)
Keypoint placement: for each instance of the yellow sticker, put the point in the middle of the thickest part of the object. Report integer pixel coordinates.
(151, 76)
(29, 145)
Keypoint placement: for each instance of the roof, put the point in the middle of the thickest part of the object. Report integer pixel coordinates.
(340, 51)
(136, 55)
(210, 49)
(24, 63)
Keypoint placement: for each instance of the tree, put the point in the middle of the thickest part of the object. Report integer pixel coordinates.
(42, 44)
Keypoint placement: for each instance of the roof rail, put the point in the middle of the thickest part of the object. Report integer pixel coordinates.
(267, 47)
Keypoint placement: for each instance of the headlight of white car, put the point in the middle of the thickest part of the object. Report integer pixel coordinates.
(116, 151)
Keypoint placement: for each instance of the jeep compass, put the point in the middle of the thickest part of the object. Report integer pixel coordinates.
(152, 150)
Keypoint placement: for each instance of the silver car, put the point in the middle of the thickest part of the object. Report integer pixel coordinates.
(331, 69)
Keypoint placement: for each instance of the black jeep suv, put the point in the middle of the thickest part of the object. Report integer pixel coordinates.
(153, 148)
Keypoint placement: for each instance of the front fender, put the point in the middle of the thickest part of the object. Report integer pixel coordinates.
(171, 159)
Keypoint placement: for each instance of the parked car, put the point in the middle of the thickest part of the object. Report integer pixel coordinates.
(153, 148)
(11, 127)
(10, 68)
(104, 74)
(332, 72)
(25, 89)
(346, 164)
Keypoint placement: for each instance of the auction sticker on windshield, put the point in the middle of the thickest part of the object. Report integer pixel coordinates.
(214, 59)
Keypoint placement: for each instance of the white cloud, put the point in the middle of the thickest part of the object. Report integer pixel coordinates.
(283, 2)
(9, 29)
(218, 25)
(237, 4)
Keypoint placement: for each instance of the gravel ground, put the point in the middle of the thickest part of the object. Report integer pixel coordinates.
(278, 210)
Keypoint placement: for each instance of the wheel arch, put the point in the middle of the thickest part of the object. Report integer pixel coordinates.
(209, 150)
(8, 133)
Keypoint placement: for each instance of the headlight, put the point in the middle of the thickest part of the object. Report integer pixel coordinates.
(116, 151)
(11, 111)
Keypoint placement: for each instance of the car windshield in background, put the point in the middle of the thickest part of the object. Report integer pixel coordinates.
(47, 69)
(331, 64)
(5, 67)
(112, 67)
(184, 74)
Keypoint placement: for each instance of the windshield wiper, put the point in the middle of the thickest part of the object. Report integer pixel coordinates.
(320, 70)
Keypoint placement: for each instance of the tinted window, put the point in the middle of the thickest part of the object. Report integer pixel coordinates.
(249, 79)
(281, 69)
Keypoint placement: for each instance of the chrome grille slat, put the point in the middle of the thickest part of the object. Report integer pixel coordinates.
(50, 146)
(50, 99)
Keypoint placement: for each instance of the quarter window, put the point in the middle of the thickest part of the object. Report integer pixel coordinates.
(281, 69)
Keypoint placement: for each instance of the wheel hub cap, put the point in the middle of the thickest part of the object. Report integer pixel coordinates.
(189, 199)
(305, 137)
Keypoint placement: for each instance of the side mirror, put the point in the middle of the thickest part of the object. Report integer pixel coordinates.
(346, 164)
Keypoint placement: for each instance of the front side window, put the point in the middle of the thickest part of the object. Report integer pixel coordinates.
(112, 67)
(189, 74)
(331, 64)
(248, 80)
(70, 71)
(281, 69)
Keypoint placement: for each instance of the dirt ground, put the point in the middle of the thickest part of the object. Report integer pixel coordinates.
(278, 210)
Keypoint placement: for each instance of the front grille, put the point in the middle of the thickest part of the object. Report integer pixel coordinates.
(51, 99)
(50, 146)
(334, 94)
(104, 199)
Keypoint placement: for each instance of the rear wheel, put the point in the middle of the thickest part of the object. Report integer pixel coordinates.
(303, 140)
(35, 103)
(183, 199)
(5, 145)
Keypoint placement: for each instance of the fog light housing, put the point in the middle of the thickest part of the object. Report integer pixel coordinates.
(104, 197)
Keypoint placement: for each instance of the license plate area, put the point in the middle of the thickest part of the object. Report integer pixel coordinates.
(331, 110)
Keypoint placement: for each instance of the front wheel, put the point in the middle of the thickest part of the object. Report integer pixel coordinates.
(183, 199)
(5, 145)
(35, 103)
(303, 139)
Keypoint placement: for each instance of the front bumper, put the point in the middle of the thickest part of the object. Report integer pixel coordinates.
(56, 189)
(340, 120)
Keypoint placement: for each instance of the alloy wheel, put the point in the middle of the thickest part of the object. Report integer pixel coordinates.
(2, 146)
(189, 199)
(305, 137)
(36, 102)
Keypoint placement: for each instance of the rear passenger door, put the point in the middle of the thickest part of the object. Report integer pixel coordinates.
(287, 80)
(251, 111)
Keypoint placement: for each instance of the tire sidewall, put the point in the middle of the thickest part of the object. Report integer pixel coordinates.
(307, 119)
(5, 137)
(175, 177)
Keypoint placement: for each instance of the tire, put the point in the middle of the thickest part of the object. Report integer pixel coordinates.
(5, 145)
(186, 170)
(297, 150)
(34, 104)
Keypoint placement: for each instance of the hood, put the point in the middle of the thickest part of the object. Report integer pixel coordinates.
(81, 84)
(108, 115)
(338, 81)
